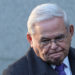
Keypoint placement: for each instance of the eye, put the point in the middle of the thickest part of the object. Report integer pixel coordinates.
(60, 38)
(45, 41)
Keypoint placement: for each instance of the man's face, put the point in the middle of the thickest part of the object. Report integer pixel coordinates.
(51, 40)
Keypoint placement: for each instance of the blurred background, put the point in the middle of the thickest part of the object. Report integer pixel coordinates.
(13, 27)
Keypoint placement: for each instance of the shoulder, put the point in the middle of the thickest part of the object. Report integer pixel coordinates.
(72, 50)
(72, 53)
(17, 68)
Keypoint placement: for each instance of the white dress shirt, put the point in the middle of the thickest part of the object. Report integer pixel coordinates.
(67, 68)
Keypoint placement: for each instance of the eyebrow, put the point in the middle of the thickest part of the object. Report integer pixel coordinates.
(61, 35)
(44, 38)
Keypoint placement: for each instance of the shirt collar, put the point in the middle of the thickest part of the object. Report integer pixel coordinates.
(66, 62)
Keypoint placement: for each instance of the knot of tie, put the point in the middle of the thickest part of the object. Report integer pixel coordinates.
(60, 69)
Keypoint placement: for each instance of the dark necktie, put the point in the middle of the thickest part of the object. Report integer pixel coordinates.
(60, 69)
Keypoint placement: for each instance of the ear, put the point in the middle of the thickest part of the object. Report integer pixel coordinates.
(29, 38)
(71, 30)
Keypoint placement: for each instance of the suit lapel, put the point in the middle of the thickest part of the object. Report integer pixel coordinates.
(72, 60)
(73, 66)
(50, 71)
(37, 66)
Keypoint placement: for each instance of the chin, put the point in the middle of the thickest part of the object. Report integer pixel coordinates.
(54, 61)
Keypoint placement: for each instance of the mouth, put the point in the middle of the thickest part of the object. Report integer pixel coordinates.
(55, 57)
(57, 54)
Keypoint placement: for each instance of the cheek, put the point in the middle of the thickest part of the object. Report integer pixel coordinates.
(34, 43)
(37, 48)
(65, 47)
(42, 51)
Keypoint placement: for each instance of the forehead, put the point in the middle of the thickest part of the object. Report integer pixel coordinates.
(51, 26)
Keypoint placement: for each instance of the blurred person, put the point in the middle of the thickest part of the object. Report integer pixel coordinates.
(50, 35)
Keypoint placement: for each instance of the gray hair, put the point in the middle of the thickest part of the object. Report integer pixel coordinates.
(44, 12)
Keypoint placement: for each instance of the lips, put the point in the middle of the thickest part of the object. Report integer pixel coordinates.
(55, 54)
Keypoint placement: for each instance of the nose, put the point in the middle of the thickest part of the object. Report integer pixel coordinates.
(53, 46)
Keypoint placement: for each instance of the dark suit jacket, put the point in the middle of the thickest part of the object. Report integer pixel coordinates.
(30, 64)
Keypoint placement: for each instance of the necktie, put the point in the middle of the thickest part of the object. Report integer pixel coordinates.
(60, 69)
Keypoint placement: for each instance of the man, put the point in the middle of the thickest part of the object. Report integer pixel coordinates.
(49, 34)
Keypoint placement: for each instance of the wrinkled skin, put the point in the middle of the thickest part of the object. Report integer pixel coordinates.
(53, 53)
